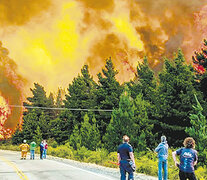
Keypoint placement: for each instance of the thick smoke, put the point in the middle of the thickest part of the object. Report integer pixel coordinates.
(11, 86)
(19, 12)
(170, 25)
(163, 26)
(50, 40)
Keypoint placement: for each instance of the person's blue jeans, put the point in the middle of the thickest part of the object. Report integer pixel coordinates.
(126, 168)
(162, 165)
(44, 154)
(32, 154)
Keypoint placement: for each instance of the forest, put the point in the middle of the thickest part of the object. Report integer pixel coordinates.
(96, 114)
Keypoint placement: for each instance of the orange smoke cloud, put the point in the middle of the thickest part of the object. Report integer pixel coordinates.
(11, 85)
(56, 38)
(21, 11)
(51, 40)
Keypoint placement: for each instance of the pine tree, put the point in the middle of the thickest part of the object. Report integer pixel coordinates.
(122, 123)
(38, 135)
(61, 128)
(30, 123)
(145, 82)
(17, 137)
(143, 125)
(39, 99)
(90, 136)
(75, 138)
(43, 124)
(95, 135)
(198, 131)
(85, 132)
(108, 93)
(175, 96)
(81, 94)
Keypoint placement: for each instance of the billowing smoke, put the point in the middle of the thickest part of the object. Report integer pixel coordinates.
(11, 89)
(51, 40)
(21, 11)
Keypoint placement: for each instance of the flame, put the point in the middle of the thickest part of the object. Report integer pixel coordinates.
(51, 40)
(10, 93)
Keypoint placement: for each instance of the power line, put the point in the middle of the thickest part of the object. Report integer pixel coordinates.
(49, 108)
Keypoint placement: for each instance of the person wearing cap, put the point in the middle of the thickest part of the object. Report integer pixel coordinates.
(188, 159)
(162, 150)
(32, 150)
(24, 147)
(126, 159)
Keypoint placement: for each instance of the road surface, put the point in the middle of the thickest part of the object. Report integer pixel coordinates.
(12, 168)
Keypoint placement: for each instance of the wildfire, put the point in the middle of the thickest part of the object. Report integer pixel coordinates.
(10, 93)
(51, 40)
(5, 111)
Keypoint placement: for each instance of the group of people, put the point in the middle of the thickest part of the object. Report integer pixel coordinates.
(24, 147)
(188, 159)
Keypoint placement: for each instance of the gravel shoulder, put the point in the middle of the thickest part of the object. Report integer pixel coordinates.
(112, 172)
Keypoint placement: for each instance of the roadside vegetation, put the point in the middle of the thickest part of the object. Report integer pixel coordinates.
(145, 163)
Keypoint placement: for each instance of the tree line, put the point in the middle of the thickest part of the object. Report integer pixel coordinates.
(144, 108)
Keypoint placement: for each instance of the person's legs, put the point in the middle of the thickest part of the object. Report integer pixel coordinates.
(182, 175)
(160, 169)
(22, 154)
(25, 154)
(32, 154)
(122, 171)
(165, 169)
(45, 153)
(40, 154)
(129, 170)
(191, 176)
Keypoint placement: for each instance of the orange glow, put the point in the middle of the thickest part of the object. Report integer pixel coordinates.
(50, 40)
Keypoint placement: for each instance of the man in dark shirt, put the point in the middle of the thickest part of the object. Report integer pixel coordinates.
(188, 159)
(125, 157)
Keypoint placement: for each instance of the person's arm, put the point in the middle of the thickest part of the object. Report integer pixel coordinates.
(196, 159)
(118, 157)
(131, 154)
(174, 158)
(157, 148)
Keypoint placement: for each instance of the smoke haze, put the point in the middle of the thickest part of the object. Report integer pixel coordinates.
(49, 41)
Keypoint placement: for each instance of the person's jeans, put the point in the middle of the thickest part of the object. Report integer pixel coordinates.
(162, 165)
(44, 153)
(185, 175)
(32, 153)
(41, 152)
(126, 168)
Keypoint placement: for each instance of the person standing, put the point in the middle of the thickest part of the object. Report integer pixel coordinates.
(32, 150)
(45, 149)
(41, 149)
(126, 159)
(188, 159)
(162, 150)
(24, 148)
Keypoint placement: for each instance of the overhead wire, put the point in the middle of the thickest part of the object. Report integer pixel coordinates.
(56, 108)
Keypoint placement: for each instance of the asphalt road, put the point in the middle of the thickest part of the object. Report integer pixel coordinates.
(12, 168)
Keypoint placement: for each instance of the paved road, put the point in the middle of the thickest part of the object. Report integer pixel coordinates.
(12, 168)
